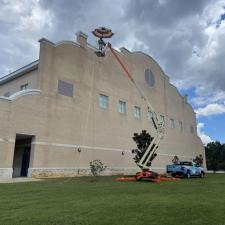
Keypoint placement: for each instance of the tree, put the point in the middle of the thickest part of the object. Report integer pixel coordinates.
(215, 156)
(143, 140)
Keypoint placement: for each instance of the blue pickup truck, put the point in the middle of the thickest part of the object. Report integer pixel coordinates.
(186, 169)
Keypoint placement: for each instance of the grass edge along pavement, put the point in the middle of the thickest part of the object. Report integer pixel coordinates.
(104, 201)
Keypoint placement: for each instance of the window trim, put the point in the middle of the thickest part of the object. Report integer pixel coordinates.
(125, 107)
(100, 105)
(150, 115)
(162, 118)
(181, 128)
(135, 112)
(67, 82)
(150, 81)
(24, 87)
(172, 123)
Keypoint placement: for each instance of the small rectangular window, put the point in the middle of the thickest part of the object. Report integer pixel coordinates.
(65, 88)
(122, 107)
(180, 126)
(150, 115)
(24, 86)
(172, 125)
(103, 101)
(162, 119)
(7, 94)
(137, 112)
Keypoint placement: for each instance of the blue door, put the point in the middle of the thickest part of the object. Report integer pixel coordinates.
(25, 162)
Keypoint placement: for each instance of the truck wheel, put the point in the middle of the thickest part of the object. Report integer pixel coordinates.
(170, 174)
(188, 175)
(201, 175)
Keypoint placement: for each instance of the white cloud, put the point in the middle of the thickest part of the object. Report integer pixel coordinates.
(204, 137)
(213, 11)
(189, 49)
(214, 97)
(185, 40)
(211, 109)
(22, 24)
(37, 20)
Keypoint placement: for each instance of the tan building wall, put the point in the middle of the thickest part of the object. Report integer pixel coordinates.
(60, 124)
(16, 84)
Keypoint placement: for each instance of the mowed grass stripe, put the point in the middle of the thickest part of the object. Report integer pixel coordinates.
(105, 201)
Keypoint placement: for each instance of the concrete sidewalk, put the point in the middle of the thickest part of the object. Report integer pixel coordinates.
(17, 180)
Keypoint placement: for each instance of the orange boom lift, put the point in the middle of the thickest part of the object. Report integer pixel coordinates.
(149, 155)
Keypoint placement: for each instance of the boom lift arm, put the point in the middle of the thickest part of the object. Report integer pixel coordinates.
(149, 155)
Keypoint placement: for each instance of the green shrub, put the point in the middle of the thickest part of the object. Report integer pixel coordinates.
(97, 167)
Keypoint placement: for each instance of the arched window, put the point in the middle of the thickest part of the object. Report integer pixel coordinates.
(149, 78)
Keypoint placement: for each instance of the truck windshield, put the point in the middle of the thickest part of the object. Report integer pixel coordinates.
(186, 163)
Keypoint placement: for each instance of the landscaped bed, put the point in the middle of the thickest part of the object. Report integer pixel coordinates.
(104, 201)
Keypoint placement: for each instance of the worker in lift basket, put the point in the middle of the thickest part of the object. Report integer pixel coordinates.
(102, 47)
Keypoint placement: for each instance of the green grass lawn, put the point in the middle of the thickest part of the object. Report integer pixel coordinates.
(84, 201)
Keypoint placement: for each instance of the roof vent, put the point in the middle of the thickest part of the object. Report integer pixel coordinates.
(125, 51)
(185, 98)
(82, 39)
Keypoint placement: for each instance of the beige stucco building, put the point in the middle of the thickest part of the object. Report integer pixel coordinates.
(70, 107)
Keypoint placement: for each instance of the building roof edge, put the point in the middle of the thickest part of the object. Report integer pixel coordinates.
(19, 72)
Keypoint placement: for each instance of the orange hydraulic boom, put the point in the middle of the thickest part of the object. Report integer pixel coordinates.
(149, 155)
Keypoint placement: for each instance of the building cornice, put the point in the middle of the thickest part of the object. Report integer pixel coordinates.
(20, 94)
(20, 72)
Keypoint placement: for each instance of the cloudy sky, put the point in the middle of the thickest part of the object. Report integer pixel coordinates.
(186, 37)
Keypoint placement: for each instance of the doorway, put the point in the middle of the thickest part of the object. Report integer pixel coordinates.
(21, 158)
